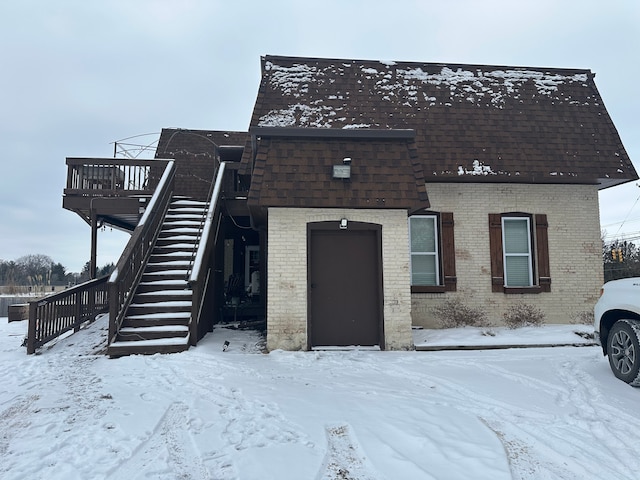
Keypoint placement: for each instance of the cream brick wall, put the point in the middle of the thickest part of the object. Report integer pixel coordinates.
(575, 252)
(287, 273)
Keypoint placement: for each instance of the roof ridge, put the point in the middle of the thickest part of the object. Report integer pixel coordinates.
(268, 58)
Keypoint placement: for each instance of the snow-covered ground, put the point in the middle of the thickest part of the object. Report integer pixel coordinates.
(527, 413)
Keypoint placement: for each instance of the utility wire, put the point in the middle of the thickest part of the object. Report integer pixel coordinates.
(628, 213)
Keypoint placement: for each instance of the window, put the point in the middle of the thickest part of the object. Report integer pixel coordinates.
(519, 253)
(432, 252)
(516, 240)
(423, 233)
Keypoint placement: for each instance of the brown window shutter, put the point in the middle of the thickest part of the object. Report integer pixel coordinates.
(448, 251)
(542, 252)
(495, 248)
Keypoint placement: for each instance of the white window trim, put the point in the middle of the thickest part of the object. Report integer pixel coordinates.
(436, 254)
(529, 255)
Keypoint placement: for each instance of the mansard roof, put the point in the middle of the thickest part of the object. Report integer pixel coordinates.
(475, 123)
(294, 168)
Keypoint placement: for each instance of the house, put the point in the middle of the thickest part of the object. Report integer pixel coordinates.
(512, 159)
(366, 193)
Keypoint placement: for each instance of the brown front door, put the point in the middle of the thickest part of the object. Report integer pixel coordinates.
(345, 285)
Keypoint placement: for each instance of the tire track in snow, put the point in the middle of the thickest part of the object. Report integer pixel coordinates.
(537, 443)
(576, 455)
(256, 424)
(248, 422)
(236, 421)
(564, 456)
(523, 452)
(616, 431)
(170, 453)
(14, 418)
(85, 396)
(344, 459)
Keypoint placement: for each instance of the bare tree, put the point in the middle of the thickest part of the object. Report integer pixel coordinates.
(37, 268)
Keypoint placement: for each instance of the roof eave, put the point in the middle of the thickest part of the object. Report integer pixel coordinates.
(604, 183)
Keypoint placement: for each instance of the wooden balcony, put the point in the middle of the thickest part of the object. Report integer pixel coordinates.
(114, 190)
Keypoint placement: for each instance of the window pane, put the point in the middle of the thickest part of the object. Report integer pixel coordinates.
(517, 271)
(423, 235)
(423, 270)
(516, 236)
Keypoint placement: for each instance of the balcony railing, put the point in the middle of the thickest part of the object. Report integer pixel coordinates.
(113, 176)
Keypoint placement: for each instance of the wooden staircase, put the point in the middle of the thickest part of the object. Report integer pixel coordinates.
(158, 318)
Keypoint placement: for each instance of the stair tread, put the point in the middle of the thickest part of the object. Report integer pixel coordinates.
(187, 212)
(141, 347)
(176, 237)
(160, 316)
(176, 339)
(155, 328)
(159, 260)
(126, 345)
(170, 303)
(166, 272)
(171, 262)
(187, 203)
(184, 241)
(177, 283)
(176, 245)
(172, 293)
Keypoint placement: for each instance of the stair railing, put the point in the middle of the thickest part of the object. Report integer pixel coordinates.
(199, 276)
(133, 260)
(67, 310)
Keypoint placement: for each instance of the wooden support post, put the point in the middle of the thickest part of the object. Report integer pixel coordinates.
(78, 311)
(31, 332)
(94, 244)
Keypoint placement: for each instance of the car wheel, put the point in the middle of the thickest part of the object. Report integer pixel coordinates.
(623, 349)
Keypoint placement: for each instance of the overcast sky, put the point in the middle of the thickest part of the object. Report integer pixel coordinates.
(79, 75)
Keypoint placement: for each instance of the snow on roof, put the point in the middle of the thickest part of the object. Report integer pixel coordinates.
(394, 82)
(473, 123)
(477, 169)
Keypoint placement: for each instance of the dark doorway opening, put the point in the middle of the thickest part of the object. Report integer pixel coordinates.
(241, 266)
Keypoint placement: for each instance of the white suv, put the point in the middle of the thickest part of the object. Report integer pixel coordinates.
(617, 327)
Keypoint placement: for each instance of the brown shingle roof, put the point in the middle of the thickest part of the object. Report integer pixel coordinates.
(297, 172)
(180, 140)
(472, 122)
(196, 154)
